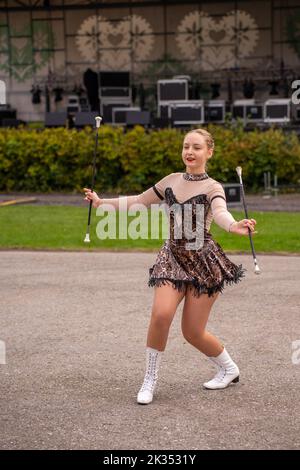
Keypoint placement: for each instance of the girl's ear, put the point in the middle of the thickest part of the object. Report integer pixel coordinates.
(210, 154)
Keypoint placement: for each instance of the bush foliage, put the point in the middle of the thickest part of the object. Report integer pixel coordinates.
(61, 159)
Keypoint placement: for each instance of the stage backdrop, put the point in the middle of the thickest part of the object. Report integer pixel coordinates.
(209, 41)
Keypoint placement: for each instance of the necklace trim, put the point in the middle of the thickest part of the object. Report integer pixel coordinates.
(195, 177)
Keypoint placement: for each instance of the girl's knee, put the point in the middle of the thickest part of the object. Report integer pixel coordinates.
(162, 318)
(193, 336)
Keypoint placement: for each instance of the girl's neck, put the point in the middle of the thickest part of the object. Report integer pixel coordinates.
(195, 171)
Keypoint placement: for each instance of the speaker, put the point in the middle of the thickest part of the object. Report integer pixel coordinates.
(108, 106)
(134, 118)
(73, 104)
(214, 111)
(6, 113)
(10, 122)
(56, 119)
(248, 110)
(115, 92)
(255, 112)
(277, 110)
(232, 192)
(111, 79)
(119, 114)
(192, 112)
(238, 111)
(84, 105)
(172, 90)
(115, 85)
(85, 119)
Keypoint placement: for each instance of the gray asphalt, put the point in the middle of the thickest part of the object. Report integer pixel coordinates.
(75, 325)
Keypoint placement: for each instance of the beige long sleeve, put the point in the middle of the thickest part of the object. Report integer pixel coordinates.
(220, 213)
(153, 195)
(148, 197)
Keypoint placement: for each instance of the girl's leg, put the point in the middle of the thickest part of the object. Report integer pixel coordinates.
(194, 319)
(195, 315)
(166, 301)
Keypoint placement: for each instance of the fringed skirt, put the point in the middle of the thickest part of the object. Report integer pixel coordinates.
(206, 271)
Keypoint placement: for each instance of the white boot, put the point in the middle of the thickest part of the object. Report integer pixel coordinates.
(228, 372)
(145, 394)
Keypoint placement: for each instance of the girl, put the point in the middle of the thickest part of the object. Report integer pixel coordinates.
(197, 275)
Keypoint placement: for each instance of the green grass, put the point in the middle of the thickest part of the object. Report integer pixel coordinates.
(63, 228)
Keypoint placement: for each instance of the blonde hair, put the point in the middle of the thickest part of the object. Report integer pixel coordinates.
(207, 136)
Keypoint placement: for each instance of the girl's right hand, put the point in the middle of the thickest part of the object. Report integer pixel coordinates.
(92, 196)
(242, 227)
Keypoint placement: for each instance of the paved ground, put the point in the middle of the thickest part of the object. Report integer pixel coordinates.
(75, 324)
(260, 202)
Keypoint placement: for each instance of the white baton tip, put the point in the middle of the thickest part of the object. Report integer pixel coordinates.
(98, 121)
(257, 270)
(87, 238)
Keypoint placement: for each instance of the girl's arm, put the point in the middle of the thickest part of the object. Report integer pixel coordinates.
(148, 197)
(153, 195)
(226, 221)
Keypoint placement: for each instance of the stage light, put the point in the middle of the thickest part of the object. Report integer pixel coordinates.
(248, 88)
(274, 84)
(215, 90)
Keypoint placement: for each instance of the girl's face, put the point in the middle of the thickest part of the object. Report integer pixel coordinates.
(195, 152)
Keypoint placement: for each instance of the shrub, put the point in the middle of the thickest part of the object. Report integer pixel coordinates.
(61, 159)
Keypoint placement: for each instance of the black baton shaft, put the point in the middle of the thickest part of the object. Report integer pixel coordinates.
(93, 177)
(246, 213)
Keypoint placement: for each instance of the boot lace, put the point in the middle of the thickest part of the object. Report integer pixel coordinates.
(220, 374)
(148, 384)
(151, 374)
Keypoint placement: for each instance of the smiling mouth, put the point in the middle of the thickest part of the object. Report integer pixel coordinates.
(190, 159)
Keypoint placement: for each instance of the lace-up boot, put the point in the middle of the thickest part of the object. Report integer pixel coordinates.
(145, 394)
(228, 372)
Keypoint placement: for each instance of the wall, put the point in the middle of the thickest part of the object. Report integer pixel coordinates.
(211, 41)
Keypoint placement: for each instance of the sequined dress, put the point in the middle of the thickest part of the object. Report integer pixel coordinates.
(205, 270)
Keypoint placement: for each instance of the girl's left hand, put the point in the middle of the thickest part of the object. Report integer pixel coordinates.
(241, 227)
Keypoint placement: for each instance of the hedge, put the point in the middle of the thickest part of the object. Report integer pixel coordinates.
(61, 159)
